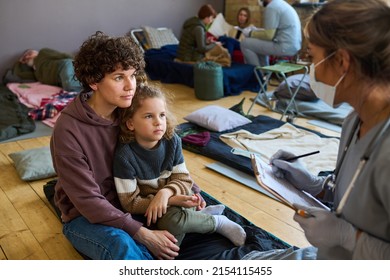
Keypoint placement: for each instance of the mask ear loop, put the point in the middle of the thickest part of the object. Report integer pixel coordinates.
(341, 78)
(322, 60)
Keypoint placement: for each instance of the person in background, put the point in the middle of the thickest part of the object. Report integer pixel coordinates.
(151, 177)
(49, 67)
(281, 35)
(349, 45)
(82, 146)
(231, 41)
(193, 43)
(244, 26)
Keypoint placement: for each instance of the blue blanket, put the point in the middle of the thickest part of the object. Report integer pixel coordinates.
(160, 65)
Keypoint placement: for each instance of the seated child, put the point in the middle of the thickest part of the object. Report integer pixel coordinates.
(151, 176)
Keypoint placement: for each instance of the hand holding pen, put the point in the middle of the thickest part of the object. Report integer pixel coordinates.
(293, 157)
(285, 166)
(301, 156)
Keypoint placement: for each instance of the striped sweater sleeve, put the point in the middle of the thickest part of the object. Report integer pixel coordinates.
(126, 184)
(129, 196)
(180, 180)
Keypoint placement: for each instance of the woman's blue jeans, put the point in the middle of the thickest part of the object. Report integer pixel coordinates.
(100, 242)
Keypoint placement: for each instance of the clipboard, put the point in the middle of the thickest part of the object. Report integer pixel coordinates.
(280, 188)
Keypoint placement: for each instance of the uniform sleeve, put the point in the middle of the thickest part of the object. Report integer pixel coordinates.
(371, 248)
(368, 246)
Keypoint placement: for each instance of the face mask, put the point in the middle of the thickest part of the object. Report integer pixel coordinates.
(323, 91)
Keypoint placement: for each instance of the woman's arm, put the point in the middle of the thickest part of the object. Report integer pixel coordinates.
(200, 38)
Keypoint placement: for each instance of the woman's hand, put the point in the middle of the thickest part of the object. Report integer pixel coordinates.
(158, 205)
(324, 229)
(159, 242)
(295, 172)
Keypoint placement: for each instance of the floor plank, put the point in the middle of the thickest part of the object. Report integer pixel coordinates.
(21, 245)
(57, 247)
(9, 216)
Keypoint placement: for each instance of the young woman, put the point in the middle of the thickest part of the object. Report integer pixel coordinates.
(193, 44)
(82, 147)
(244, 26)
(349, 44)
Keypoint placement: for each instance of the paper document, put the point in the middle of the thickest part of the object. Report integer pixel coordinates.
(281, 188)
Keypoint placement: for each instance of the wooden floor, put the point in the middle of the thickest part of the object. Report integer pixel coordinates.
(29, 228)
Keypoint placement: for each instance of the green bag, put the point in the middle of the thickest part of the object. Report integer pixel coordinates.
(208, 80)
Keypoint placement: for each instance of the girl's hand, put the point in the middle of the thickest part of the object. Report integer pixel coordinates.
(158, 205)
(202, 203)
(186, 201)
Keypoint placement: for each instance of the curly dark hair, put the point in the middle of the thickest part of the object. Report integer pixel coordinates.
(144, 92)
(101, 54)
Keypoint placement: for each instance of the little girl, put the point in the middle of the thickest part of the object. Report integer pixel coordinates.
(151, 177)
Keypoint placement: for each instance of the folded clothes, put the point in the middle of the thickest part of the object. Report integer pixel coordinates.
(198, 139)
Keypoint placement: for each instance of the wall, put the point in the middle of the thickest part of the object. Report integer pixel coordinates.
(64, 24)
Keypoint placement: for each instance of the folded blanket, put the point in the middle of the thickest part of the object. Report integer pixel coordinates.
(291, 138)
(31, 94)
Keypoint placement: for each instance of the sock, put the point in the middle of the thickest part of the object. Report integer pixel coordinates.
(231, 230)
(213, 209)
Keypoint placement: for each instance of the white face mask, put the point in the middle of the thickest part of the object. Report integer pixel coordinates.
(323, 91)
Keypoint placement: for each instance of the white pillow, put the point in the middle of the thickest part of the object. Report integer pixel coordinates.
(216, 118)
(220, 27)
(157, 38)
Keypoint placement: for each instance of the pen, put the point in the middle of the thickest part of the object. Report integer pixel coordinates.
(300, 156)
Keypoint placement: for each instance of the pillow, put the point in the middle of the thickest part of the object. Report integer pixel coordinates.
(305, 93)
(157, 38)
(216, 118)
(33, 164)
(219, 27)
